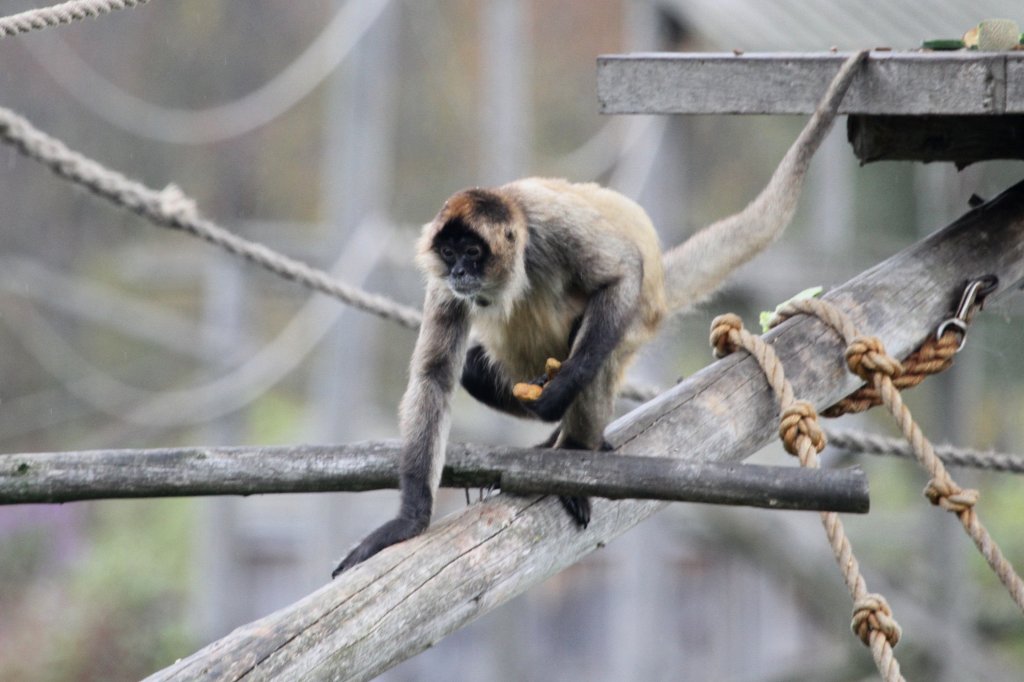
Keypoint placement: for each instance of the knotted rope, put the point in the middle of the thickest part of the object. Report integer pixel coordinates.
(171, 208)
(935, 355)
(866, 357)
(802, 436)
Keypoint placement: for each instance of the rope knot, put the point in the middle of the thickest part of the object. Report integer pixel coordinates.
(177, 206)
(800, 419)
(866, 356)
(950, 496)
(722, 329)
(871, 613)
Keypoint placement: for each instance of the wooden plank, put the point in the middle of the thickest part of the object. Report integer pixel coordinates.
(47, 477)
(903, 83)
(1015, 85)
(410, 595)
(961, 139)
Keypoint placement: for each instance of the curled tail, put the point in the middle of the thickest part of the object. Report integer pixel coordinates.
(697, 267)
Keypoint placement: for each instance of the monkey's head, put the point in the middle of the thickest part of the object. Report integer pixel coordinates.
(476, 246)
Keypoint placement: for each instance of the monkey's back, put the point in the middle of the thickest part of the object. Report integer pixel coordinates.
(617, 219)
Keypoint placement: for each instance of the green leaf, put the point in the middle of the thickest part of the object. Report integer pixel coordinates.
(766, 316)
(943, 44)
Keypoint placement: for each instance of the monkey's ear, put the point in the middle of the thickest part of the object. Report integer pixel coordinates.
(424, 258)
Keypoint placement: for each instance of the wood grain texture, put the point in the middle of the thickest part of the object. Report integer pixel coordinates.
(905, 83)
(413, 594)
(28, 478)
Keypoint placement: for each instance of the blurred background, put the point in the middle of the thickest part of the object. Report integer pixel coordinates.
(332, 129)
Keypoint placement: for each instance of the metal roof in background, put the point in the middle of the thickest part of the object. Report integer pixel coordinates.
(815, 25)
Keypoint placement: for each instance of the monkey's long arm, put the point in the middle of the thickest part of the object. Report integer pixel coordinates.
(610, 309)
(425, 419)
(486, 383)
(696, 268)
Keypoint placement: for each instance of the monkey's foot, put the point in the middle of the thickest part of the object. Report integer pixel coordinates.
(578, 508)
(392, 532)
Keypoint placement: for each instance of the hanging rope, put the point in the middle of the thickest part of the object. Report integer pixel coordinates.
(801, 435)
(64, 13)
(866, 357)
(869, 443)
(171, 208)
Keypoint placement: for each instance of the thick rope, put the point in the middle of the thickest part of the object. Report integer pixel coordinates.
(935, 355)
(171, 208)
(64, 13)
(802, 436)
(869, 443)
(866, 357)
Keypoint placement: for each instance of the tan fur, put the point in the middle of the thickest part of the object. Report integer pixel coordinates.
(603, 216)
(607, 237)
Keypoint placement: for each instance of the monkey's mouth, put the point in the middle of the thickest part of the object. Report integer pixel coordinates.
(471, 291)
(466, 287)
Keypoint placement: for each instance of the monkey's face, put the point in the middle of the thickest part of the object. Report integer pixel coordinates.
(475, 246)
(464, 257)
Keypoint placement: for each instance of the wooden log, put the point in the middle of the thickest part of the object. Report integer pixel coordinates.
(961, 139)
(618, 477)
(105, 474)
(411, 595)
(901, 83)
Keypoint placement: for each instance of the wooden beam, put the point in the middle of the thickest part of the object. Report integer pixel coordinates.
(411, 595)
(902, 83)
(46, 477)
(961, 139)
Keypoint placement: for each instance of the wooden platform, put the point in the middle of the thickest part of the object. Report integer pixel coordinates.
(902, 83)
(968, 102)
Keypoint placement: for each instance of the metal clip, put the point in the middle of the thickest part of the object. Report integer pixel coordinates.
(972, 300)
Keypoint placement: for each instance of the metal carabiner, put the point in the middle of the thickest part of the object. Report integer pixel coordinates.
(971, 300)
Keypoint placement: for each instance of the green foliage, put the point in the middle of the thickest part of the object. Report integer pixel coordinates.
(115, 612)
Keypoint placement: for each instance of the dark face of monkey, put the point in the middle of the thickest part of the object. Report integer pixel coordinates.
(465, 257)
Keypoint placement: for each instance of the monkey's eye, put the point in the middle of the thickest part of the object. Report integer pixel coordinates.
(447, 253)
(474, 252)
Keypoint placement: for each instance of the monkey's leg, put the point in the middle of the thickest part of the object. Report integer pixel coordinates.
(425, 431)
(583, 429)
(578, 507)
(425, 419)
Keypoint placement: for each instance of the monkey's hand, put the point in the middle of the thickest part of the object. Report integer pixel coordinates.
(394, 531)
(558, 390)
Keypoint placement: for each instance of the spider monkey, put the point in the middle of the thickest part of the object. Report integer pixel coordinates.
(543, 268)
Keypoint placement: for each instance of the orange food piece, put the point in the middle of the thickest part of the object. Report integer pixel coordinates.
(527, 392)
